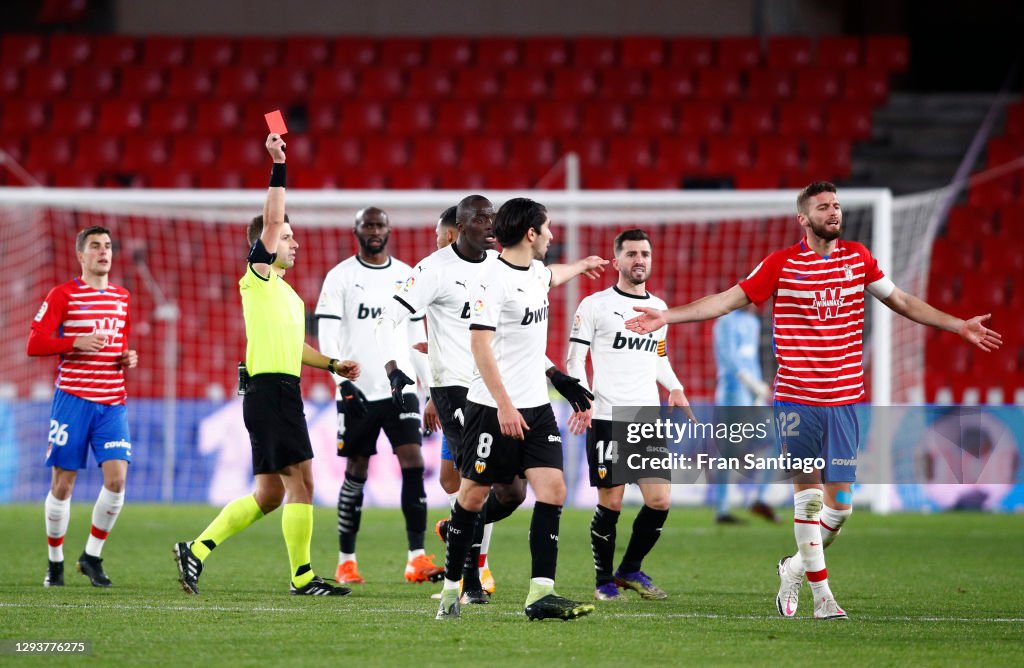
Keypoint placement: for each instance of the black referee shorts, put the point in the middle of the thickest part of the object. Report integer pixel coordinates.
(273, 414)
(489, 457)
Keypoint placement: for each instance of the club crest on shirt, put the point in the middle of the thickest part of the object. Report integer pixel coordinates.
(848, 272)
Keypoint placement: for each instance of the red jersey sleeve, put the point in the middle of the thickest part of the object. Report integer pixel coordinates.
(872, 272)
(44, 338)
(761, 284)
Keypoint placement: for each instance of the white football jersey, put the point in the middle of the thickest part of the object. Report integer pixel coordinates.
(356, 293)
(513, 301)
(440, 285)
(625, 363)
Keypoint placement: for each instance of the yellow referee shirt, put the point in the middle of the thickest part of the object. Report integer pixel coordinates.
(275, 324)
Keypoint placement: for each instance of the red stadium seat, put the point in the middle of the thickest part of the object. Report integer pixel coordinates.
(450, 52)
(869, 86)
(259, 52)
(142, 82)
(727, 155)
(432, 154)
(1002, 150)
(458, 118)
(457, 179)
(545, 52)
(238, 82)
(381, 83)
(77, 177)
(509, 179)
(355, 52)
(605, 179)
(333, 84)
(817, 84)
(691, 53)
(670, 85)
(498, 52)
(555, 118)
(574, 84)
(595, 52)
(402, 52)
(144, 152)
(534, 154)
(838, 52)
(477, 84)
(239, 153)
(507, 118)
(47, 152)
(890, 52)
(45, 82)
(738, 52)
(285, 85)
(719, 84)
(483, 154)
(591, 150)
(998, 257)
(769, 84)
(72, 117)
(622, 84)
(115, 51)
(14, 146)
(301, 150)
(307, 52)
(190, 83)
(68, 50)
(630, 153)
(360, 118)
(656, 179)
(120, 117)
(525, 84)
(983, 291)
(91, 82)
(412, 179)
(386, 153)
(216, 117)
(165, 51)
(994, 192)
(604, 118)
(799, 119)
(22, 49)
(778, 153)
(338, 153)
(701, 118)
(10, 80)
(219, 178)
(1015, 119)
(756, 179)
(829, 156)
(411, 118)
(849, 120)
(751, 119)
(168, 117)
(212, 51)
(642, 52)
(171, 178)
(653, 119)
(97, 152)
(429, 84)
(966, 223)
(198, 152)
(789, 53)
(679, 154)
(364, 180)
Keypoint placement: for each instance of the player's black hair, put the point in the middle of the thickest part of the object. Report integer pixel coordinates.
(255, 229)
(515, 217)
(88, 232)
(448, 218)
(630, 235)
(810, 191)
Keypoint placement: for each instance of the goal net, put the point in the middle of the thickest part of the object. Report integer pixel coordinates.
(181, 253)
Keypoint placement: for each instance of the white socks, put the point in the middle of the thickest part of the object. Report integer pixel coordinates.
(104, 515)
(58, 514)
(831, 522)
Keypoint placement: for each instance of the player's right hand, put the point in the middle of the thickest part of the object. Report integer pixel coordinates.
(398, 382)
(275, 147)
(353, 400)
(974, 332)
(512, 422)
(90, 343)
(580, 421)
(431, 420)
(649, 320)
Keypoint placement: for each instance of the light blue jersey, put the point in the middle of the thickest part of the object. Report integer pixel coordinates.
(737, 338)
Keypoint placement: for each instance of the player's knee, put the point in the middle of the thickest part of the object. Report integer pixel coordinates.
(357, 467)
(807, 504)
(450, 478)
(115, 484)
(658, 502)
(510, 495)
(409, 457)
(553, 493)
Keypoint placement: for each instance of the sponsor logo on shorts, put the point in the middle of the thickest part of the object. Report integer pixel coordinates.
(409, 416)
(480, 466)
(554, 438)
(836, 461)
(602, 471)
(110, 445)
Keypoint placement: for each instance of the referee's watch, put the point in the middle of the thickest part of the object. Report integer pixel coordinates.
(331, 366)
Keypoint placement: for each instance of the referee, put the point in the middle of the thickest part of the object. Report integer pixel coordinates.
(275, 352)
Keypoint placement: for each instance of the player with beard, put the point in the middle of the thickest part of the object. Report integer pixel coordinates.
(354, 294)
(818, 287)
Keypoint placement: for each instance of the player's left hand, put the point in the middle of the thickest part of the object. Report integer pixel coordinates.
(974, 332)
(579, 421)
(431, 421)
(129, 359)
(592, 266)
(649, 320)
(398, 381)
(578, 396)
(678, 398)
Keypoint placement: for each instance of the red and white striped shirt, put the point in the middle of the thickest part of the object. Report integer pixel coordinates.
(76, 309)
(817, 320)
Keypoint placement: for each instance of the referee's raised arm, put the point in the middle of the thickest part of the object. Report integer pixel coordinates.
(273, 207)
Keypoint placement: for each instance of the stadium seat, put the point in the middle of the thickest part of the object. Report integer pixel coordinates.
(44, 81)
(573, 84)
(509, 179)
(78, 177)
(190, 84)
(800, 119)
(360, 118)
(238, 82)
(22, 49)
(162, 51)
(307, 52)
(198, 152)
(409, 118)
(381, 83)
(756, 179)
(870, 86)
(691, 53)
(830, 156)
(48, 151)
(555, 118)
(533, 154)
(983, 291)
(656, 179)
(653, 119)
(449, 53)
(91, 82)
(332, 84)
(412, 179)
(604, 118)
(212, 51)
(595, 52)
(498, 53)
(10, 80)
(97, 152)
(507, 118)
(429, 84)
(719, 84)
(219, 178)
(1015, 119)
(670, 85)
(630, 153)
(120, 117)
(994, 192)
(838, 52)
(259, 52)
(434, 153)
(890, 52)
(525, 84)
(591, 150)
(382, 154)
(849, 120)
(457, 179)
(966, 223)
(727, 155)
(71, 117)
(69, 49)
(301, 151)
(545, 52)
(483, 154)
(769, 85)
(776, 153)
(337, 154)
(239, 153)
(737, 52)
(171, 178)
(477, 84)
(115, 51)
(357, 52)
(402, 52)
(623, 84)
(168, 117)
(701, 118)
(679, 154)
(751, 119)
(817, 85)
(458, 118)
(143, 153)
(642, 52)
(364, 180)
(789, 53)
(142, 82)
(216, 117)
(1002, 150)
(284, 85)
(605, 179)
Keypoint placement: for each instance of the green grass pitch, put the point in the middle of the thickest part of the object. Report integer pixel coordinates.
(920, 590)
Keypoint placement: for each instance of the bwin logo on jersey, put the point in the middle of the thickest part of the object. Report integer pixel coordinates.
(621, 342)
(534, 316)
(365, 312)
(465, 311)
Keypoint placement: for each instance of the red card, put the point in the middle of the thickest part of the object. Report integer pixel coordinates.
(275, 122)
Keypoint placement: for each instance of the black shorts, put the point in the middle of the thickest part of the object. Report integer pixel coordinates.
(602, 452)
(450, 403)
(357, 437)
(273, 414)
(489, 457)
